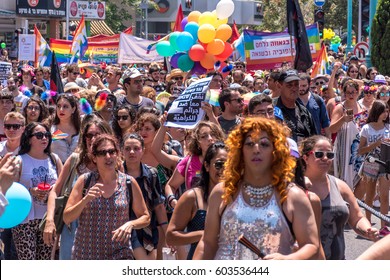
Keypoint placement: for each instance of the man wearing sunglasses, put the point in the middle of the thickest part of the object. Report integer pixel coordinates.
(315, 104)
(73, 73)
(232, 105)
(319, 81)
(295, 115)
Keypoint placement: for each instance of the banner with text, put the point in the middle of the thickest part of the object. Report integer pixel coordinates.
(90, 9)
(186, 110)
(269, 50)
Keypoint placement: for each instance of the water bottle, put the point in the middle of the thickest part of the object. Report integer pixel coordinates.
(386, 136)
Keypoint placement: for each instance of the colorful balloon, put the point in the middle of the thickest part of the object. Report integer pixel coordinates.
(198, 69)
(208, 61)
(184, 41)
(224, 32)
(184, 23)
(164, 48)
(225, 9)
(197, 52)
(216, 47)
(19, 205)
(173, 39)
(219, 21)
(194, 16)
(228, 49)
(174, 59)
(185, 63)
(2, 45)
(207, 18)
(192, 27)
(206, 33)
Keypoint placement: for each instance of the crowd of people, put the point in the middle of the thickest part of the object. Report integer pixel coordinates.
(284, 168)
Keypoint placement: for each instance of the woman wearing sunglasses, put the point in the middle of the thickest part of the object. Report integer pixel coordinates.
(66, 126)
(353, 71)
(124, 119)
(384, 94)
(338, 202)
(371, 139)
(103, 201)
(187, 223)
(78, 163)
(39, 170)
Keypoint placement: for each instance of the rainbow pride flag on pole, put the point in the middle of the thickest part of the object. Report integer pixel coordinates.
(321, 66)
(79, 43)
(42, 50)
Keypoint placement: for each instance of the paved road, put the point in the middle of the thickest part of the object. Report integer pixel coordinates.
(355, 245)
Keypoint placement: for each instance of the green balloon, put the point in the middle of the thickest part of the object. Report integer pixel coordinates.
(172, 39)
(164, 48)
(2, 45)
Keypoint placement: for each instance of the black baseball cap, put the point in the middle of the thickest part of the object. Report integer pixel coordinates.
(289, 76)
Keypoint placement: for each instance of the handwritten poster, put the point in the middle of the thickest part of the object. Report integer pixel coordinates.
(5, 71)
(186, 110)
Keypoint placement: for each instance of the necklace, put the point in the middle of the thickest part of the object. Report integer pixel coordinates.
(258, 197)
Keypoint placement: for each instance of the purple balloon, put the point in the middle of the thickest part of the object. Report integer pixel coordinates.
(174, 59)
(198, 69)
(184, 23)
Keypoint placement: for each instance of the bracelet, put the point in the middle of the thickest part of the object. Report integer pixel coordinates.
(170, 201)
(169, 196)
(161, 224)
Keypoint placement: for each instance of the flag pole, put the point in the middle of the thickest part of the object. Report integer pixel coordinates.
(291, 50)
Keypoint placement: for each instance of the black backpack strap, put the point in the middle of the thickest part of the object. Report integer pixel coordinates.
(87, 181)
(130, 188)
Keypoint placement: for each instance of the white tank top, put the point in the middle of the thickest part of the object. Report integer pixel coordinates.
(34, 172)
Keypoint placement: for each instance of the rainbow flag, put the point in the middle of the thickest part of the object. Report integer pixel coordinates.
(321, 66)
(79, 43)
(42, 50)
(58, 134)
(214, 97)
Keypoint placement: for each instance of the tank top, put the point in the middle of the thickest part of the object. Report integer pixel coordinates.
(35, 171)
(98, 219)
(335, 214)
(266, 227)
(196, 223)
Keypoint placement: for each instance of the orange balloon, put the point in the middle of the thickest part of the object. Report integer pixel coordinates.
(216, 47)
(208, 61)
(194, 16)
(226, 52)
(197, 52)
(224, 32)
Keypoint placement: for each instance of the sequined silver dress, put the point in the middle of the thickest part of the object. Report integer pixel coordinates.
(266, 227)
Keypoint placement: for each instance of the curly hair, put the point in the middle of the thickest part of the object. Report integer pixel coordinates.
(283, 163)
(216, 132)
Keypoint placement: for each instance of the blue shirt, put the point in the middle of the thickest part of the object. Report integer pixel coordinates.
(318, 112)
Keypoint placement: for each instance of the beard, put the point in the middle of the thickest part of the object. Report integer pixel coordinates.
(11, 88)
(305, 92)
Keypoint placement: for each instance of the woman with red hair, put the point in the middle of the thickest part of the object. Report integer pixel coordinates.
(258, 199)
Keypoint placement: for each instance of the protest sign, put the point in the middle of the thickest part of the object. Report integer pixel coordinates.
(5, 71)
(186, 110)
(269, 50)
(26, 47)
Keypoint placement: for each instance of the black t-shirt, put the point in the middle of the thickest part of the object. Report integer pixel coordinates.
(228, 125)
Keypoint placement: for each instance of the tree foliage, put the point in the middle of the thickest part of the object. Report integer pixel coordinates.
(380, 37)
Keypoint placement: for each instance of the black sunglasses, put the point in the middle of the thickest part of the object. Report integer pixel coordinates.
(318, 154)
(239, 100)
(219, 164)
(102, 153)
(90, 135)
(177, 78)
(13, 126)
(320, 83)
(125, 118)
(40, 135)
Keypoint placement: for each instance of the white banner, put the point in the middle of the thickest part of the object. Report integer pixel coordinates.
(186, 110)
(133, 50)
(90, 9)
(26, 47)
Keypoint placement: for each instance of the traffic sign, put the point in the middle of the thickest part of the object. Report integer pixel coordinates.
(361, 50)
(319, 3)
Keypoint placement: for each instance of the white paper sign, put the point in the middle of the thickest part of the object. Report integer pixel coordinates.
(26, 49)
(186, 110)
(5, 71)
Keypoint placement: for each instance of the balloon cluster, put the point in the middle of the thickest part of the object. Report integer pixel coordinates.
(203, 40)
(334, 39)
(328, 34)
